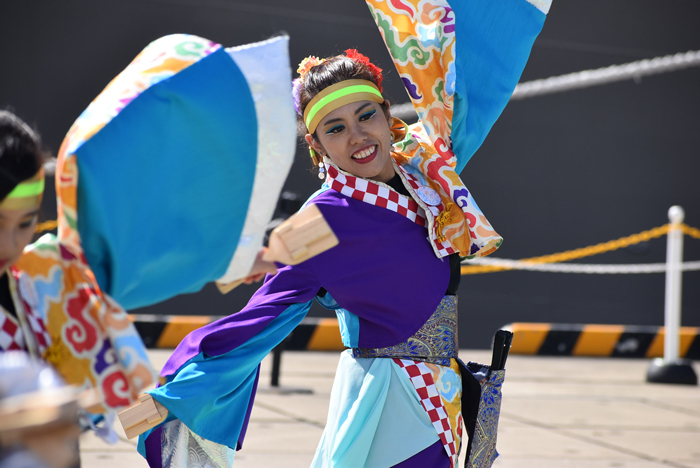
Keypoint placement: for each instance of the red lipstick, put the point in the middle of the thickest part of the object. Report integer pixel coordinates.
(369, 158)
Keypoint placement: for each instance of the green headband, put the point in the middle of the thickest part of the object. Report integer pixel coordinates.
(338, 95)
(27, 189)
(25, 195)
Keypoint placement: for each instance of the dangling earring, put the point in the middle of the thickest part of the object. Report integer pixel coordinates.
(321, 170)
(398, 129)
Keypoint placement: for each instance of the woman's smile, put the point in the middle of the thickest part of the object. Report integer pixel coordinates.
(365, 155)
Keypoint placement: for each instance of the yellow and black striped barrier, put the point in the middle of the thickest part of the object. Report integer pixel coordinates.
(551, 339)
(542, 339)
(166, 331)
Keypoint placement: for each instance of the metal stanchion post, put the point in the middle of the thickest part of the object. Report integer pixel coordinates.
(276, 362)
(670, 368)
(674, 285)
(275, 374)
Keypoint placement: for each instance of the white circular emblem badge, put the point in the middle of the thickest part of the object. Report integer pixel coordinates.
(429, 196)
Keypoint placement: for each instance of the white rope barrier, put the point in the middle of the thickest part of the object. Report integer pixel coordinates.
(587, 78)
(596, 269)
(404, 111)
(626, 71)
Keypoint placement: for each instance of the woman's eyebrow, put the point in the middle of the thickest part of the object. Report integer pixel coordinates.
(359, 109)
(331, 121)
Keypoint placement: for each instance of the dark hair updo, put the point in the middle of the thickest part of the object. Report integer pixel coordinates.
(20, 152)
(329, 72)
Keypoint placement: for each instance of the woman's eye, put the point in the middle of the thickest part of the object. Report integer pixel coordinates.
(335, 129)
(27, 223)
(367, 115)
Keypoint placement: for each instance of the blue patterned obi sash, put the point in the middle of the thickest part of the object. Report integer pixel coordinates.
(435, 342)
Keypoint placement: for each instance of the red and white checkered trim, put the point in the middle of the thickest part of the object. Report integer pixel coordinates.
(422, 380)
(383, 196)
(11, 337)
(375, 194)
(11, 333)
(30, 300)
(37, 325)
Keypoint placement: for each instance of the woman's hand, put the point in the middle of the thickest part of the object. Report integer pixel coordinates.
(260, 268)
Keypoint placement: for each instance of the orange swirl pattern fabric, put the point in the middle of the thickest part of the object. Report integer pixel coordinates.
(93, 342)
(420, 36)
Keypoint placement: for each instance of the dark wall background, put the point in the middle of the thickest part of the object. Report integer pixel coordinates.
(556, 173)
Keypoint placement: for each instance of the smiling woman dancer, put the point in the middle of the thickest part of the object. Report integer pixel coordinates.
(403, 218)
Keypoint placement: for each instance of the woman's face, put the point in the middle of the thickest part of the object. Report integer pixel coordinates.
(357, 139)
(16, 231)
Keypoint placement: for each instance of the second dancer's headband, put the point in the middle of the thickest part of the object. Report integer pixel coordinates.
(338, 95)
(26, 195)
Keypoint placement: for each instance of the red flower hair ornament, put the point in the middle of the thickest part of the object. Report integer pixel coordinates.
(374, 70)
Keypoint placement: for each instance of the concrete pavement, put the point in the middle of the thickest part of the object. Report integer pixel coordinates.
(557, 412)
